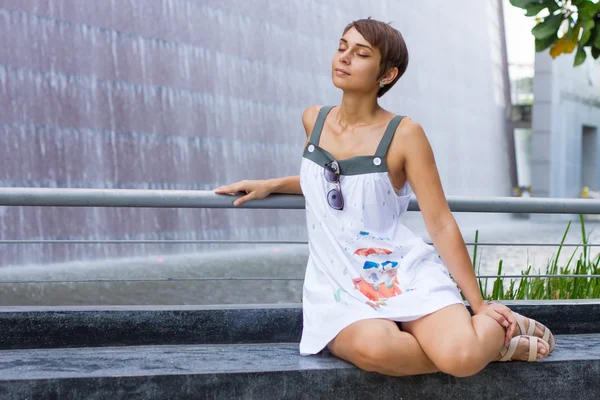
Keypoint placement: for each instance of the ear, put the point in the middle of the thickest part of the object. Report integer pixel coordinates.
(390, 75)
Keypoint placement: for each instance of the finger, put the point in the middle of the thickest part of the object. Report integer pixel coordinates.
(234, 188)
(513, 328)
(512, 325)
(498, 318)
(510, 333)
(510, 318)
(243, 199)
(510, 322)
(223, 189)
(507, 337)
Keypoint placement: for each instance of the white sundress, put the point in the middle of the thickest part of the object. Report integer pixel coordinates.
(363, 262)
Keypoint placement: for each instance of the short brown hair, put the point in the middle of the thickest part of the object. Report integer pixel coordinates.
(390, 43)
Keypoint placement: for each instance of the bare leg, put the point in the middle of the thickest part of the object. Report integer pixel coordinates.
(378, 345)
(459, 344)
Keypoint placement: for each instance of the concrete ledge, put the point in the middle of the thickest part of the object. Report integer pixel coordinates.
(122, 326)
(48, 327)
(278, 371)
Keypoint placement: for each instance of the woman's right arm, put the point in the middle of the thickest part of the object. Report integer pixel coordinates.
(259, 189)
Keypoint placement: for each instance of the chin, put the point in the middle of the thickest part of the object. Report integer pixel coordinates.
(341, 85)
(339, 81)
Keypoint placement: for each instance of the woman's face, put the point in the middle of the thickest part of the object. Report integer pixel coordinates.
(359, 59)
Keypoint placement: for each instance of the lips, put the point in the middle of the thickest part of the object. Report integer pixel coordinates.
(341, 70)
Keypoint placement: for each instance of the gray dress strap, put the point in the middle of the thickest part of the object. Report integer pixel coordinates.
(356, 165)
(384, 144)
(315, 135)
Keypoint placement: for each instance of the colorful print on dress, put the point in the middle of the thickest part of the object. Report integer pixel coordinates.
(340, 296)
(377, 260)
(362, 236)
(378, 282)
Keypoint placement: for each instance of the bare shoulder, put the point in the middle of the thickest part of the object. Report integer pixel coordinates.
(409, 139)
(422, 174)
(409, 129)
(309, 117)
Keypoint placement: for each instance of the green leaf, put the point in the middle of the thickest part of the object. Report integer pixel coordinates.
(577, 3)
(534, 9)
(553, 6)
(583, 237)
(587, 10)
(541, 45)
(579, 57)
(595, 52)
(595, 40)
(587, 31)
(548, 27)
(523, 3)
(475, 248)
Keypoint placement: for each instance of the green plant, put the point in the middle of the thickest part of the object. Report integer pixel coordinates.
(548, 288)
(580, 20)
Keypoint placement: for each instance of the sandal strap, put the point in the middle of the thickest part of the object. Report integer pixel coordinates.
(508, 352)
(546, 335)
(531, 329)
(532, 324)
(519, 319)
(533, 344)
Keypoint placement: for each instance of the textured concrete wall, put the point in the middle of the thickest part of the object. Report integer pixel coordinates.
(567, 103)
(183, 94)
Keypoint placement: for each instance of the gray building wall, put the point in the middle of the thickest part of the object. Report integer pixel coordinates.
(565, 124)
(186, 94)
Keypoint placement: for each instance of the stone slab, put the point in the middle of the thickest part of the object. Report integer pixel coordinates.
(278, 371)
(48, 327)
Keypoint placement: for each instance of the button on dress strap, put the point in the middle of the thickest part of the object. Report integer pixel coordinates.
(384, 144)
(315, 135)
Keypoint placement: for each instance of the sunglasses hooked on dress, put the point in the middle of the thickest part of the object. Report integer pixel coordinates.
(334, 196)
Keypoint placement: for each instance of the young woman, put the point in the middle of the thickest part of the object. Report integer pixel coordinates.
(366, 270)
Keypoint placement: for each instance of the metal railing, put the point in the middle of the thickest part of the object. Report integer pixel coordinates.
(68, 197)
(59, 197)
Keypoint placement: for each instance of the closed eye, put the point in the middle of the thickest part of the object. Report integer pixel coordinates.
(360, 55)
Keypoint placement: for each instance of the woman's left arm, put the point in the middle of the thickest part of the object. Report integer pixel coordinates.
(423, 177)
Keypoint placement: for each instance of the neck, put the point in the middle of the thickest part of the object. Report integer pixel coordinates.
(357, 110)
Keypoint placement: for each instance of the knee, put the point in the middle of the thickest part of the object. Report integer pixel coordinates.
(371, 351)
(461, 360)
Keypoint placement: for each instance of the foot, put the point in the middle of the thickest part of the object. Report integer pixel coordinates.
(538, 327)
(524, 348)
(531, 327)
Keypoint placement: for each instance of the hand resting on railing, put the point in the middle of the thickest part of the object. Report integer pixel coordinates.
(259, 189)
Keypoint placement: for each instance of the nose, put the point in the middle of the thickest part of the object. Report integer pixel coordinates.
(345, 56)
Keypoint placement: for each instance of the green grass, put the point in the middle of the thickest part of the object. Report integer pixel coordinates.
(536, 288)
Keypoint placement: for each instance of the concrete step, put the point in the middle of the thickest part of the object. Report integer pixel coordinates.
(49, 327)
(277, 371)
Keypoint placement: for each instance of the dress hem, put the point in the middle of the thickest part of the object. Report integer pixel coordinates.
(313, 350)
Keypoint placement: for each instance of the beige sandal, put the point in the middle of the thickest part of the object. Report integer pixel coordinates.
(507, 352)
(547, 335)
